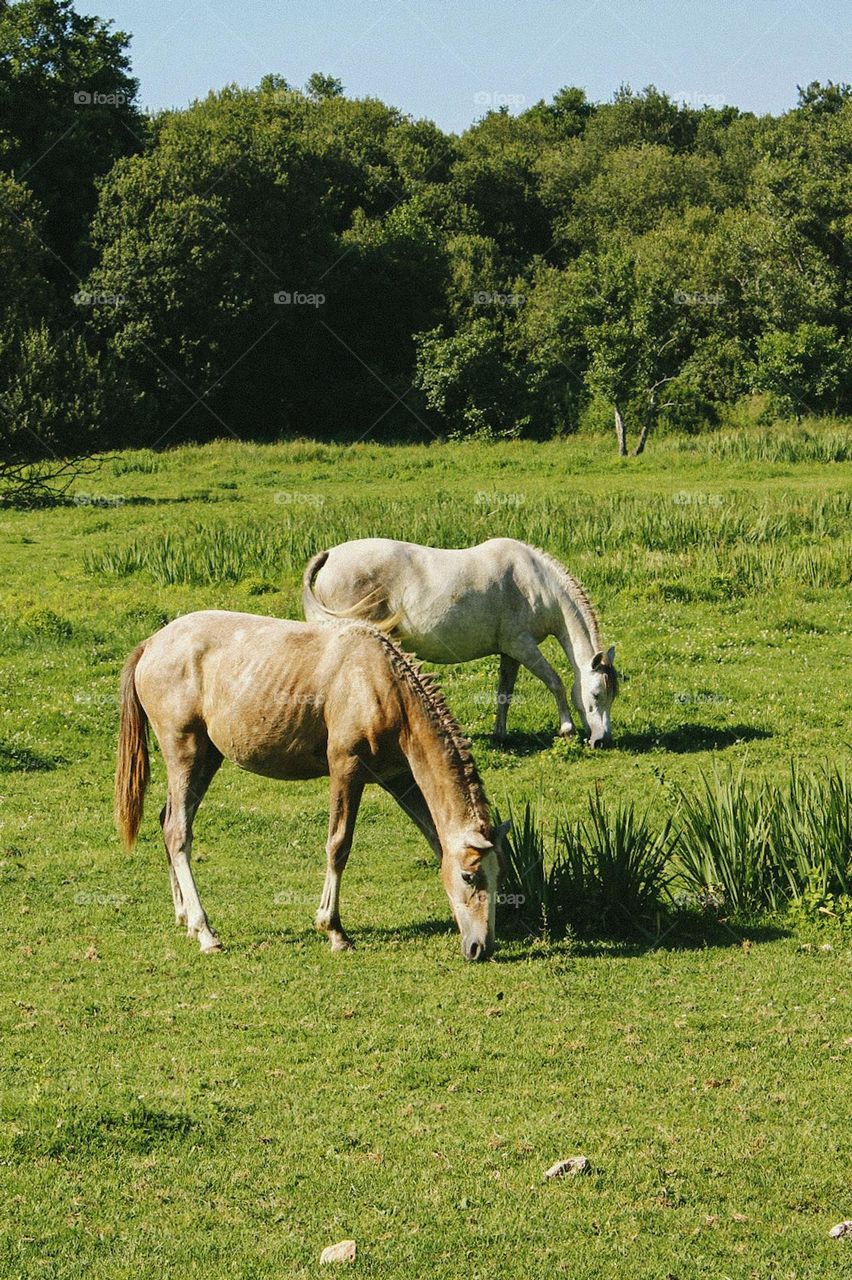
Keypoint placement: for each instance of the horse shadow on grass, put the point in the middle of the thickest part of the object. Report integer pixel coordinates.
(687, 738)
(517, 744)
(680, 934)
(17, 759)
(682, 740)
(414, 931)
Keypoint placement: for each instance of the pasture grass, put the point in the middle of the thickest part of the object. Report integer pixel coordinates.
(164, 1113)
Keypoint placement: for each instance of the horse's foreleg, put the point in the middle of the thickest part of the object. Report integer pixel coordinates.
(410, 799)
(347, 788)
(191, 768)
(527, 652)
(505, 689)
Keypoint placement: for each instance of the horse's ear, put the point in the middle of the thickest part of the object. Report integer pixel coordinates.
(499, 833)
(604, 660)
(476, 840)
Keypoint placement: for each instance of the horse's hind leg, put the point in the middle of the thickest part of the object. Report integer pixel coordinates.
(177, 896)
(192, 761)
(347, 788)
(527, 652)
(505, 689)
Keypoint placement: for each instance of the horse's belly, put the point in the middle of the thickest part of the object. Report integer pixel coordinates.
(265, 746)
(433, 647)
(457, 633)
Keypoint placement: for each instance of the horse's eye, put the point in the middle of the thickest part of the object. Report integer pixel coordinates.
(468, 877)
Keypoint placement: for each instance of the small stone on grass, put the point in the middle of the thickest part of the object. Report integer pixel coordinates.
(343, 1252)
(569, 1168)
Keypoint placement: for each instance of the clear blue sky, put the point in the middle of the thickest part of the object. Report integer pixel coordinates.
(449, 60)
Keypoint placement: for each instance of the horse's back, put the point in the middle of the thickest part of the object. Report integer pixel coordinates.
(454, 602)
(263, 689)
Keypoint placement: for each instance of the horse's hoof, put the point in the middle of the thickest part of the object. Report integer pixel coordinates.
(212, 944)
(340, 943)
(565, 731)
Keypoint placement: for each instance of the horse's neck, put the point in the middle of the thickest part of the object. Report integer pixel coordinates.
(452, 803)
(579, 631)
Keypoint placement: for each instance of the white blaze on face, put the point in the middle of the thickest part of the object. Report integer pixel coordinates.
(594, 705)
(593, 698)
(470, 878)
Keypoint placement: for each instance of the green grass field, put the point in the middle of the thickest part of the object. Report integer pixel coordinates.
(167, 1113)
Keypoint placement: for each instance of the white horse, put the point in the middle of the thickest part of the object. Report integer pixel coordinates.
(502, 596)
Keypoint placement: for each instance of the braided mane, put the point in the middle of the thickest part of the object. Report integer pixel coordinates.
(577, 594)
(427, 692)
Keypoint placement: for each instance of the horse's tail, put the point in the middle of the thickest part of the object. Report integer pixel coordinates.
(362, 611)
(132, 769)
(310, 604)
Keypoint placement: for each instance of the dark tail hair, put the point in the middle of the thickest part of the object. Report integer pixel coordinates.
(132, 769)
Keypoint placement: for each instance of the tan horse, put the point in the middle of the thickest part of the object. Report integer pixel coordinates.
(296, 700)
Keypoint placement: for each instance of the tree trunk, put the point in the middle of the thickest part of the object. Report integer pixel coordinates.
(620, 433)
(643, 436)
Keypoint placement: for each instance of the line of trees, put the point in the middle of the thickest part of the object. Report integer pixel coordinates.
(277, 260)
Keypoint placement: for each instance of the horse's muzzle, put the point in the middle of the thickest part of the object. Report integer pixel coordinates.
(604, 741)
(476, 951)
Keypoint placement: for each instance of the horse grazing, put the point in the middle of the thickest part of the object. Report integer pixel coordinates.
(293, 700)
(454, 606)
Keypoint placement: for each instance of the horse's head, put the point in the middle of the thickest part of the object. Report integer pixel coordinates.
(593, 696)
(469, 869)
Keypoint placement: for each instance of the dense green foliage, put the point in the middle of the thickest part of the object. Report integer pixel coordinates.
(164, 1113)
(276, 261)
(731, 847)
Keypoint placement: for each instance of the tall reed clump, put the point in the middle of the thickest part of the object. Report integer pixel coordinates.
(759, 845)
(605, 873)
(722, 547)
(524, 892)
